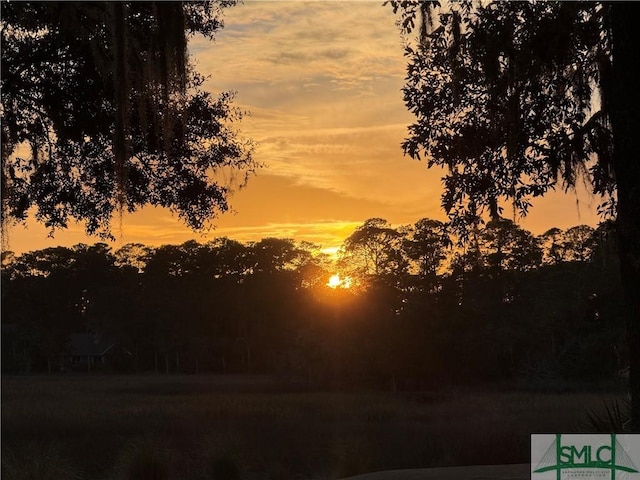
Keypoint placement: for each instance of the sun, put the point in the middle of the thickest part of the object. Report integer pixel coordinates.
(336, 281)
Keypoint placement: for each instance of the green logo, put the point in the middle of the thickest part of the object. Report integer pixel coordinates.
(586, 457)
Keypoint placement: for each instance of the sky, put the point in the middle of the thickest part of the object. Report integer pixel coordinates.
(322, 82)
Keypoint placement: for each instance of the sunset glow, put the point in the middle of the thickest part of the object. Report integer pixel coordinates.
(335, 281)
(323, 82)
(331, 252)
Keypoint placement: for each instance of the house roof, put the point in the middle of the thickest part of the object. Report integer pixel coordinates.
(89, 344)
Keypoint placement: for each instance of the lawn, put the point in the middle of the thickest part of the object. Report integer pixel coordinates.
(197, 427)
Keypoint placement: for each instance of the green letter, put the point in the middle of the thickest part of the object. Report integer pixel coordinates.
(586, 451)
(604, 447)
(564, 456)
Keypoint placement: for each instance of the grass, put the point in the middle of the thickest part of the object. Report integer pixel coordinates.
(231, 428)
(38, 461)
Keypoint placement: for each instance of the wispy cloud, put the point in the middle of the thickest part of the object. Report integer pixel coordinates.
(276, 42)
(326, 233)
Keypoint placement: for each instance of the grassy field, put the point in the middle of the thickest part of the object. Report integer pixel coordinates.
(224, 428)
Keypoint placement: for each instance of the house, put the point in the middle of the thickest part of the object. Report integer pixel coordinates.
(90, 351)
(16, 354)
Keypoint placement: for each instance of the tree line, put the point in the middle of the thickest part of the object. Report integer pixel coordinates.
(420, 311)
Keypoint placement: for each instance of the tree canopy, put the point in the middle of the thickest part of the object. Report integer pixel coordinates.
(102, 111)
(513, 99)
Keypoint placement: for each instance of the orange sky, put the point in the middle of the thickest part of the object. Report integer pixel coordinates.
(322, 81)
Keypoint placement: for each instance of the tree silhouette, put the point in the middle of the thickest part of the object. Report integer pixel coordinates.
(374, 249)
(579, 243)
(512, 96)
(505, 246)
(552, 246)
(426, 243)
(112, 113)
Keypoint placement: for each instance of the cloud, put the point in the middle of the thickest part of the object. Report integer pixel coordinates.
(326, 233)
(297, 57)
(359, 162)
(351, 43)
